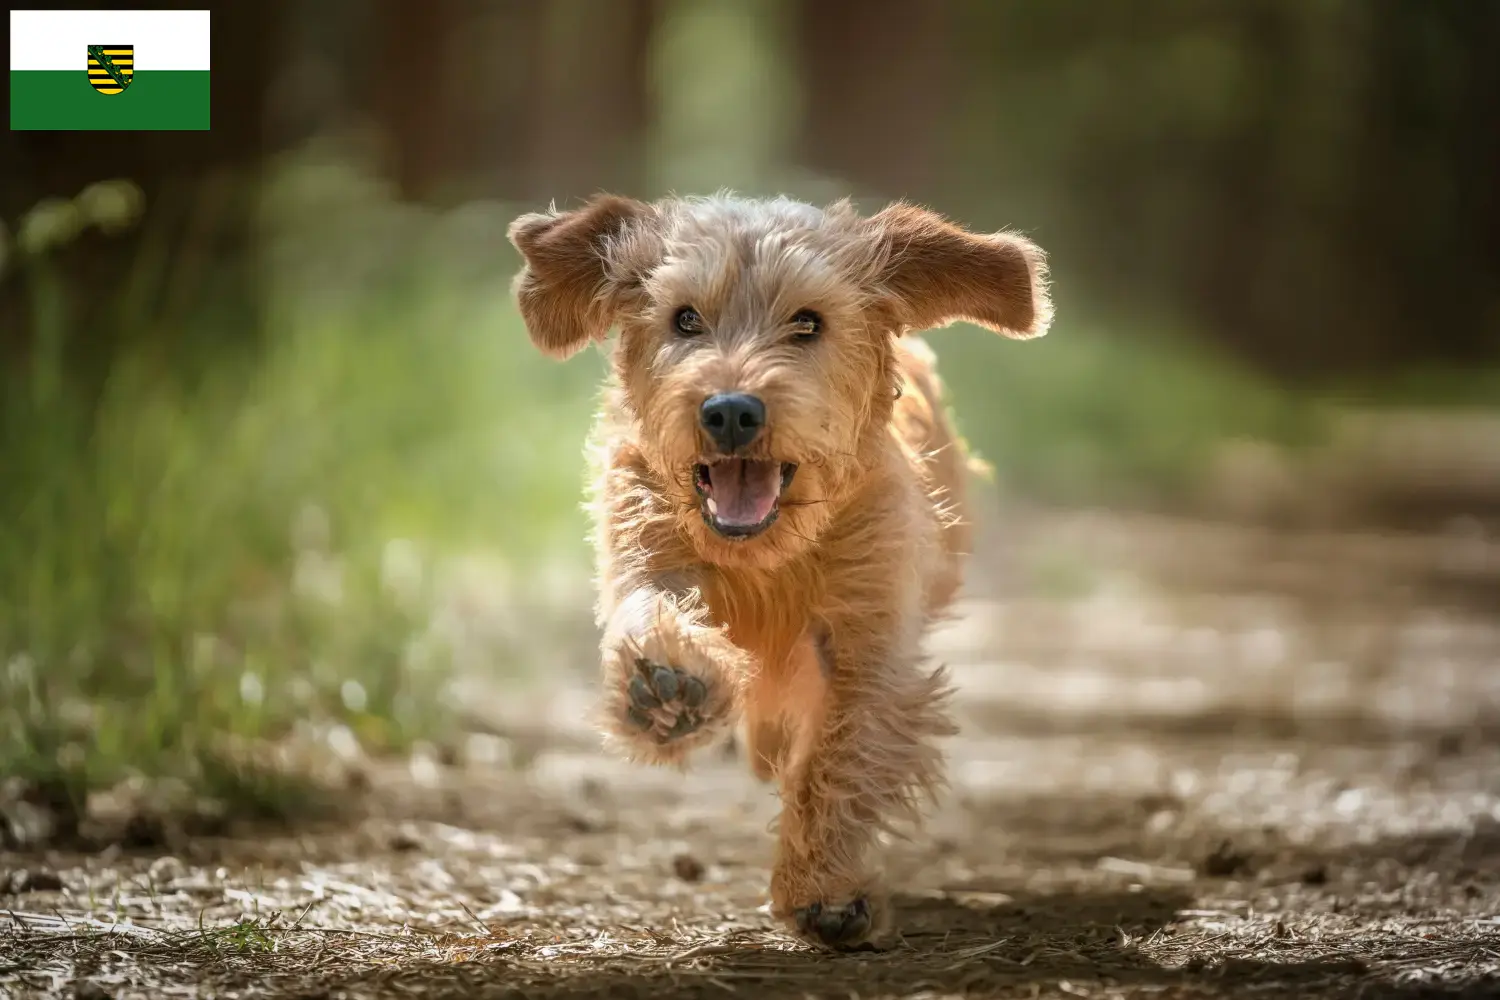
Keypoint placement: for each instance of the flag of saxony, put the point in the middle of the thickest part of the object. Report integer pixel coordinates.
(117, 70)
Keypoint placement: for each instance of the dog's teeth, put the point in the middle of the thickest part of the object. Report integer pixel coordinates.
(713, 508)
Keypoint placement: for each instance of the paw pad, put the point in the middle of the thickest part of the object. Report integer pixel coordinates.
(665, 701)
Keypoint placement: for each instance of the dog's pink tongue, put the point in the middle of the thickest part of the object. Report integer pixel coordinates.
(744, 491)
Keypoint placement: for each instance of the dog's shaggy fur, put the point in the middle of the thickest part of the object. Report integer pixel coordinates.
(807, 623)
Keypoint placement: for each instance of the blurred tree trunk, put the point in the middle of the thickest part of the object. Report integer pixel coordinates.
(1417, 267)
(1479, 148)
(1440, 105)
(518, 98)
(589, 98)
(406, 77)
(1315, 187)
(877, 78)
(1363, 242)
(1237, 236)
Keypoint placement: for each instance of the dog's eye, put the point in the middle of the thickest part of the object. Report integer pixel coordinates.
(687, 322)
(806, 325)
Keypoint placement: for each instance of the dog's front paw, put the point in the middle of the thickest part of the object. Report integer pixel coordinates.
(670, 687)
(665, 702)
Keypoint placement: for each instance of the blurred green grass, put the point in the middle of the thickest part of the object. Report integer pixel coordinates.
(1095, 415)
(196, 563)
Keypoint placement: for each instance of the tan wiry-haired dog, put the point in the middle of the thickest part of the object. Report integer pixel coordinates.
(778, 495)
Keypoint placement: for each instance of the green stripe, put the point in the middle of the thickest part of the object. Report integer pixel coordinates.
(156, 100)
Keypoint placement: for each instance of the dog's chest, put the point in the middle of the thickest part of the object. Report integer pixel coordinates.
(764, 613)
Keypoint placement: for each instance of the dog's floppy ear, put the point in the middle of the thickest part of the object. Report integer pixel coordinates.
(567, 290)
(938, 273)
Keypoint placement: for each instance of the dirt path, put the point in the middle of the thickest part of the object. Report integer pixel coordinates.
(1278, 776)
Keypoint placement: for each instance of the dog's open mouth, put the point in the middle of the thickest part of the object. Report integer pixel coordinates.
(740, 496)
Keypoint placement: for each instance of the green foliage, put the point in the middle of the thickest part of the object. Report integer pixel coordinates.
(1085, 415)
(201, 560)
(1428, 386)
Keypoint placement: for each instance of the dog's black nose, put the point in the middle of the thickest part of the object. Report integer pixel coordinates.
(732, 419)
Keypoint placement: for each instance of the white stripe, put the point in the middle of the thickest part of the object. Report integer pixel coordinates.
(59, 39)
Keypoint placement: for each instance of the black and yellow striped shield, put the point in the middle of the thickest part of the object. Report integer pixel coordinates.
(111, 67)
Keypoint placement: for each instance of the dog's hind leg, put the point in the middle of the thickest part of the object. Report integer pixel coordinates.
(862, 759)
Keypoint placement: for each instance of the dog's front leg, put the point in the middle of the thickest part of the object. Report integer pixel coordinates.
(863, 759)
(672, 680)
